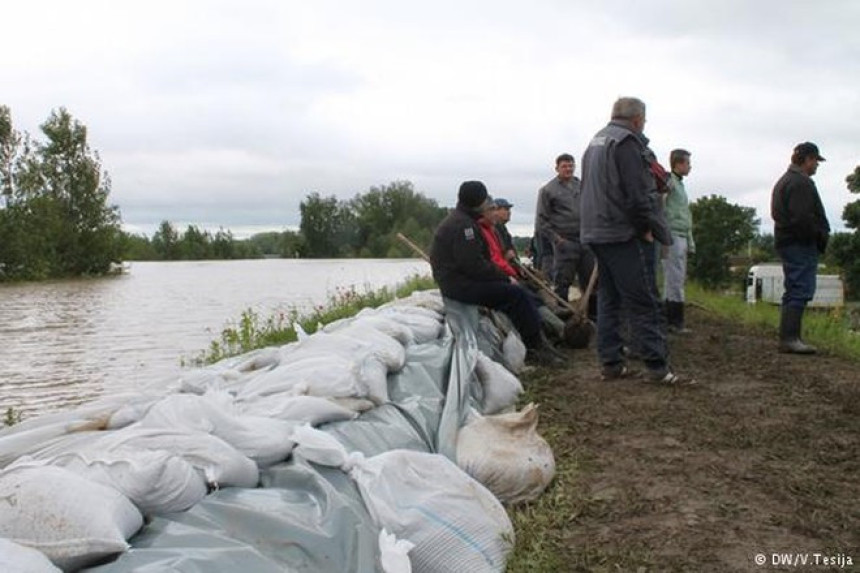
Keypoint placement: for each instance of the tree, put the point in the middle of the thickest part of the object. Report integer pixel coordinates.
(56, 219)
(384, 211)
(327, 225)
(844, 248)
(721, 229)
(165, 242)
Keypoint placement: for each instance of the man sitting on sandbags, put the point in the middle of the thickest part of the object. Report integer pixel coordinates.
(462, 268)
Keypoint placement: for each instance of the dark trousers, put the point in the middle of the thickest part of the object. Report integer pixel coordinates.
(627, 289)
(514, 300)
(799, 268)
(572, 261)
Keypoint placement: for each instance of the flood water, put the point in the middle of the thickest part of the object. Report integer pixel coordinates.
(66, 342)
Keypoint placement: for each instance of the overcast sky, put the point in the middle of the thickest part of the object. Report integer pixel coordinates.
(229, 113)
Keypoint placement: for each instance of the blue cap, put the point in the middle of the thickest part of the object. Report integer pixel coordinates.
(503, 203)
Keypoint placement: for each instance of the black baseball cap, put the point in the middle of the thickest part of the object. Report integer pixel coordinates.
(807, 149)
(503, 203)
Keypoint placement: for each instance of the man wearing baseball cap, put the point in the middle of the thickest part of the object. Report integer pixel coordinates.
(502, 216)
(801, 232)
(462, 267)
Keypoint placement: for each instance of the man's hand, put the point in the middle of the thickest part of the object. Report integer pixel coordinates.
(649, 236)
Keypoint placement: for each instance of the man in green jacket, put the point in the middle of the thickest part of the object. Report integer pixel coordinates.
(680, 221)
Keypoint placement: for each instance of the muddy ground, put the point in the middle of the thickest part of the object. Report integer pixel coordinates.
(762, 457)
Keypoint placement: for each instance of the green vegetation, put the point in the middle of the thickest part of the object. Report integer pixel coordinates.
(364, 227)
(252, 332)
(11, 417)
(830, 330)
(367, 226)
(55, 220)
(845, 247)
(720, 229)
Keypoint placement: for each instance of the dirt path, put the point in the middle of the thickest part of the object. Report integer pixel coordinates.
(762, 458)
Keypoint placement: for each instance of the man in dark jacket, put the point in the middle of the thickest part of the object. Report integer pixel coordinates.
(462, 268)
(620, 220)
(801, 232)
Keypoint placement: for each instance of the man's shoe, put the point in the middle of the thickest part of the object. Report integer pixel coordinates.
(796, 346)
(665, 377)
(615, 372)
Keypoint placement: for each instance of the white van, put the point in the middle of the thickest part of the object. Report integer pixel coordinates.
(765, 283)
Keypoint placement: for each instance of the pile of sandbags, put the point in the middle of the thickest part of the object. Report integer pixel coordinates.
(77, 486)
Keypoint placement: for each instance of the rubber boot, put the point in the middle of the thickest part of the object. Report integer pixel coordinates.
(675, 314)
(790, 323)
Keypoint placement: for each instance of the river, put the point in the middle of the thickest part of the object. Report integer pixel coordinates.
(67, 342)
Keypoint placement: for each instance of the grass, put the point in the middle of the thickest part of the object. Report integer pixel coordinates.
(252, 332)
(829, 329)
(541, 543)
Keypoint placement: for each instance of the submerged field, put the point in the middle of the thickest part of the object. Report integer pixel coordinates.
(762, 457)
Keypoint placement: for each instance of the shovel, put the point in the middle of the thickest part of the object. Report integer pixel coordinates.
(578, 330)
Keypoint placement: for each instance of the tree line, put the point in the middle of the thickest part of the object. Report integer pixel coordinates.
(56, 220)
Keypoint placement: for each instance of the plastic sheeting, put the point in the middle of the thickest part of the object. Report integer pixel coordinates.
(305, 517)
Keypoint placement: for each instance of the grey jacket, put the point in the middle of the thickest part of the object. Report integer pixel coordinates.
(619, 194)
(557, 210)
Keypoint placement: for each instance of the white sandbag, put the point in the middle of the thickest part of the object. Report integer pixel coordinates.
(23, 438)
(264, 440)
(507, 455)
(15, 558)
(500, 388)
(73, 521)
(427, 299)
(425, 326)
(220, 463)
(202, 380)
(311, 410)
(353, 341)
(370, 317)
(324, 374)
(514, 352)
(455, 523)
(157, 482)
(130, 413)
(394, 553)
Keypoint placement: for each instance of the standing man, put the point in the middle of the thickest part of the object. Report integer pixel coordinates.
(620, 221)
(680, 221)
(801, 232)
(558, 218)
(461, 264)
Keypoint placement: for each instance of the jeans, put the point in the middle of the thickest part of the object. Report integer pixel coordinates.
(628, 291)
(799, 268)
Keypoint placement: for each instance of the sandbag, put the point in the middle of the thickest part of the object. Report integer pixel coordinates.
(264, 440)
(455, 523)
(500, 388)
(353, 341)
(16, 558)
(370, 317)
(326, 374)
(312, 410)
(157, 482)
(506, 454)
(72, 520)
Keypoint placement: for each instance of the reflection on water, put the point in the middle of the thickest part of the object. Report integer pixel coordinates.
(67, 342)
